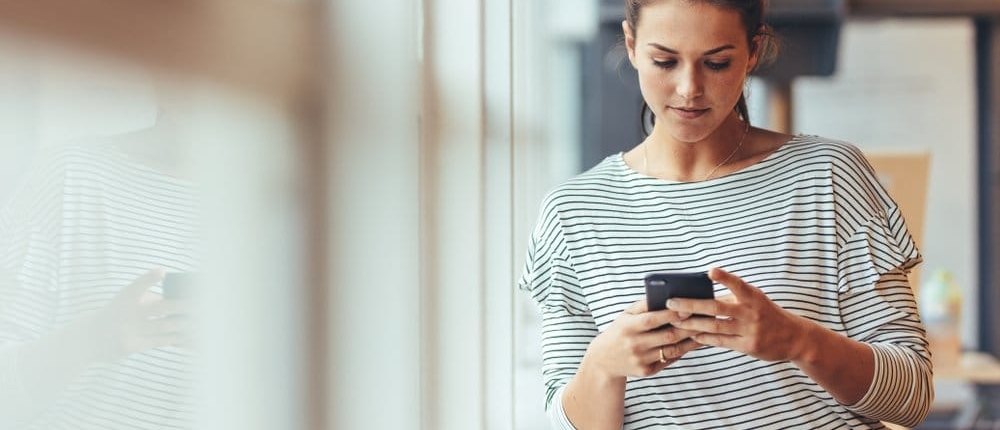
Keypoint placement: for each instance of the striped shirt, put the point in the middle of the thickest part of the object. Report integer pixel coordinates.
(809, 225)
(87, 222)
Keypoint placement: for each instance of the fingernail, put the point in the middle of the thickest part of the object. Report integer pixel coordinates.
(671, 303)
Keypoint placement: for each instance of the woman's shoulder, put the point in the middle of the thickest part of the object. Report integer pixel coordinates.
(609, 177)
(78, 157)
(37, 196)
(46, 172)
(816, 145)
(834, 153)
(848, 165)
(610, 172)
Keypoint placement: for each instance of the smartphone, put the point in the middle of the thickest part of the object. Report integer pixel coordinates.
(179, 285)
(663, 286)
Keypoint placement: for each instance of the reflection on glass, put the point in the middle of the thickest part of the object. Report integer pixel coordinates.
(123, 171)
(87, 339)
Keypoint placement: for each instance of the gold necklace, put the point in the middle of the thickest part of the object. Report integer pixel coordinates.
(746, 131)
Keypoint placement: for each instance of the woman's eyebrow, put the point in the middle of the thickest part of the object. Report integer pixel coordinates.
(709, 52)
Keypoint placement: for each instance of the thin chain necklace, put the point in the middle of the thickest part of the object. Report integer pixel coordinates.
(746, 131)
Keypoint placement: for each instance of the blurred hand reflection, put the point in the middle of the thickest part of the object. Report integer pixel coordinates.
(86, 339)
(138, 320)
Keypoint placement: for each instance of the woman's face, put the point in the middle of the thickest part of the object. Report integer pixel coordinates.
(692, 59)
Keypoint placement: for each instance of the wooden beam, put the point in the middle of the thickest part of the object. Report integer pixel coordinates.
(779, 102)
(258, 46)
(887, 8)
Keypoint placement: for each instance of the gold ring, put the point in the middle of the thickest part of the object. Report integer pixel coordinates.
(662, 358)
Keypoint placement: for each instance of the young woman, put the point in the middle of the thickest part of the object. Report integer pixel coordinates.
(815, 327)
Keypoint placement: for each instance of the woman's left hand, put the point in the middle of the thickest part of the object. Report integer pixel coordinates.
(746, 321)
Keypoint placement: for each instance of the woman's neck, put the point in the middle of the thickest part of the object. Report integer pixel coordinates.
(667, 157)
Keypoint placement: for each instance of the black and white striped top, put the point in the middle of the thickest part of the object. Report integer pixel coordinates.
(87, 222)
(810, 225)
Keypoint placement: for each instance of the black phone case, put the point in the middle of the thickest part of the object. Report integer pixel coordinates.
(662, 286)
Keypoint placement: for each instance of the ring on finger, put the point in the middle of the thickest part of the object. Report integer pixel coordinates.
(662, 358)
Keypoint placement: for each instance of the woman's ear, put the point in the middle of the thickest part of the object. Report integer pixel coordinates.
(629, 42)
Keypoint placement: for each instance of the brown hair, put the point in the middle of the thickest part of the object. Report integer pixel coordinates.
(751, 14)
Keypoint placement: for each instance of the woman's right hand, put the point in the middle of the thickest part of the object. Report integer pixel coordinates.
(137, 320)
(632, 344)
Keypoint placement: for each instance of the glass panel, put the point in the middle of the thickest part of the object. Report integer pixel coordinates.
(150, 250)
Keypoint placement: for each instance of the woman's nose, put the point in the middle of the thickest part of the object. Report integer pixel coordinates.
(689, 85)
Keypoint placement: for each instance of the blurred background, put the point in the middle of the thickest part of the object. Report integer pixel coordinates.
(363, 178)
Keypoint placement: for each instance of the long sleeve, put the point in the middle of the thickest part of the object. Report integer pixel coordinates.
(556, 413)
(565, 339)
(567, 324)
(37, 360)
(885, 317)
(877, 306)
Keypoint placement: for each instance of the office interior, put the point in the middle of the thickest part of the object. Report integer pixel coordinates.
(371, 172)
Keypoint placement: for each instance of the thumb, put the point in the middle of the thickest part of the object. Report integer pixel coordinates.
(140, 285)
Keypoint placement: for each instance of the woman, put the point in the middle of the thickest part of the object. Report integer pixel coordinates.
(816, 324)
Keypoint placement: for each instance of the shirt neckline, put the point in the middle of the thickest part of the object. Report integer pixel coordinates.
(619, 158)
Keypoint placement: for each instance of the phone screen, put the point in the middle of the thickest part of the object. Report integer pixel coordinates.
(179, 285)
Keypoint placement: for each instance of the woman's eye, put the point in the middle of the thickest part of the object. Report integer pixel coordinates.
(717, 65)
(665, 64)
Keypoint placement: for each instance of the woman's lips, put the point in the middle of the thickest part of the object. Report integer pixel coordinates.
(687, 113)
